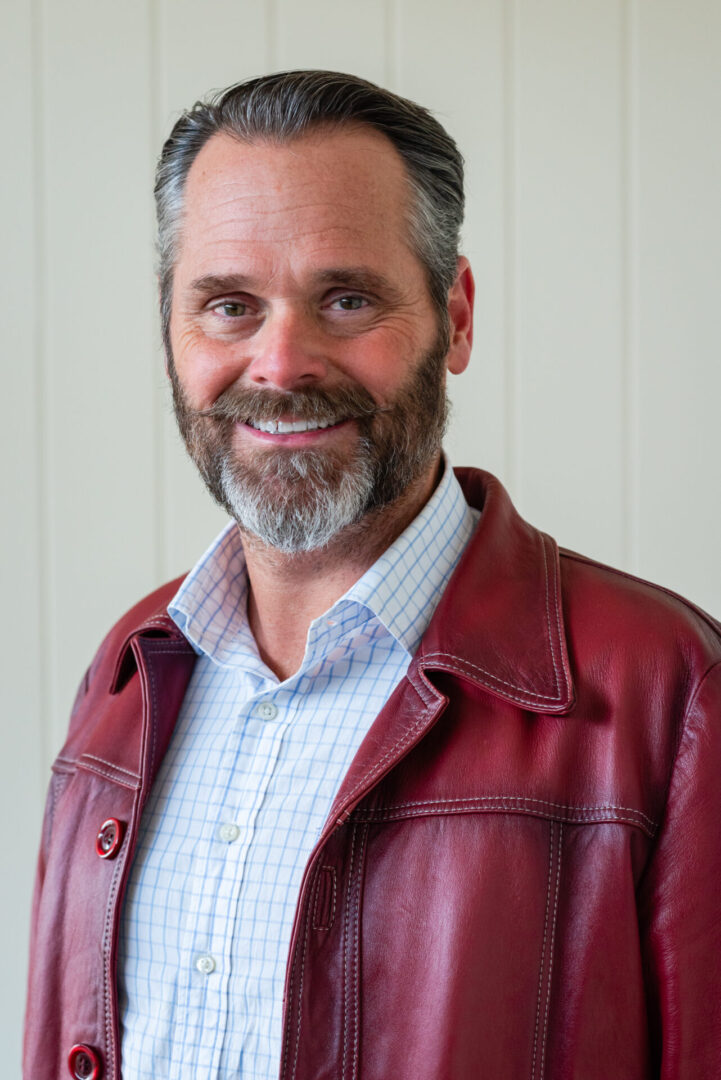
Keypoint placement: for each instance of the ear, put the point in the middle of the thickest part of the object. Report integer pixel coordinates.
(460, 314)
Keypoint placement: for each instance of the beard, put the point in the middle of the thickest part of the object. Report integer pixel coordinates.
(298, 500)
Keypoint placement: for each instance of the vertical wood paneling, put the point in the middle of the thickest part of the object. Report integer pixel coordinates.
(98, 326)
(342, 36)
(22, 643)
(464, 87)
(199, 48)
(679, 295)
(594, 166)
(569, 327)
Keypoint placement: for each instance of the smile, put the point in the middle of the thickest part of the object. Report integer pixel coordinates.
(290, 427)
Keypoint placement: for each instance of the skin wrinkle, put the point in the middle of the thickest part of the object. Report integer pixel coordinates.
(303, 228)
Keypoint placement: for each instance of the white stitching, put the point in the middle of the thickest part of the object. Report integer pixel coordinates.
(356, 955)
(548, 617)
(511, 798)
(550, 952)
(528, 694)
(157, 620)
(557, 594)
(345, 950)
(331, 871)
(406, 737)
(108, 775)
(588, 820)
(118, 768)
(543, 949)
(107, 946)
(300, 988)
(154, 713)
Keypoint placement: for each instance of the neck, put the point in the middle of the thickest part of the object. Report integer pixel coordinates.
(288, 591)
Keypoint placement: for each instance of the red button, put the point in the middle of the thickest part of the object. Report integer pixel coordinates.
(109, 838)
(84, 1063)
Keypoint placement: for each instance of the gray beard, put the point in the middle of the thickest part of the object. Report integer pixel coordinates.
(299, 500)
(298, 524)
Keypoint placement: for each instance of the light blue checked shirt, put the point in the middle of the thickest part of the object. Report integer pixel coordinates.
(244, 791)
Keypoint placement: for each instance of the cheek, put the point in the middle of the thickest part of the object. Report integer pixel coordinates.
(380, 370)
(204, 368)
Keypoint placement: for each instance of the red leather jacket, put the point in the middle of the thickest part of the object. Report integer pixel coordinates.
(520, 876)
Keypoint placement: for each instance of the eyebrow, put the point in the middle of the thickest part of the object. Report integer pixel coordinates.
(221, 283)
(351, 277)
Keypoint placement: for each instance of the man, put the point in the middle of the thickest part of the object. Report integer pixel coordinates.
(388, 786)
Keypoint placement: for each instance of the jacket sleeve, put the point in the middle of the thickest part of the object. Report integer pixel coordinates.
(680, 902)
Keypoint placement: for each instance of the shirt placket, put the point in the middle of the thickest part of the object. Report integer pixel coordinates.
(248, 762)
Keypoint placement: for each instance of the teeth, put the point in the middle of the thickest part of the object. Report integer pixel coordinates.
(284, 427)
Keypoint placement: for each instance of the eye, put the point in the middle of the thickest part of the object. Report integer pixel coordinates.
(349, 303)
(233, 309)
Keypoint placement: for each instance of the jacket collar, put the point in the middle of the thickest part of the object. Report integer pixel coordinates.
(499, 622)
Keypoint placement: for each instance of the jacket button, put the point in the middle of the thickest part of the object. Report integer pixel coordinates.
(84, 1063)
(109, 838)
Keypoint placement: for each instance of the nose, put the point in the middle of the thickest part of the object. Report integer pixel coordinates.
(288, 351)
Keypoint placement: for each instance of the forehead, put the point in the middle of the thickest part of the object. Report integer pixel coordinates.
(324, 191)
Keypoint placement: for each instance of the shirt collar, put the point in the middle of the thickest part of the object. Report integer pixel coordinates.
(401, 589)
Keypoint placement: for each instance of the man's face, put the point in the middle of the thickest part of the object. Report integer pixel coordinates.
(308, 366)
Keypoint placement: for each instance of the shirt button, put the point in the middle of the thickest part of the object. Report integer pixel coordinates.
(205, 964)
(267, 710)
(229, 832)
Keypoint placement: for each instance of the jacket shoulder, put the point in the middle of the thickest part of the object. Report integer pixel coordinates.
(149, 614)
(151, 607)
(636, 613)
(106, 672)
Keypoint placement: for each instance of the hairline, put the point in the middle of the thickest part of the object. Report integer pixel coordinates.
(328, 124)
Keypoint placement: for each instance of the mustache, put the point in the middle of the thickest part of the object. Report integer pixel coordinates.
(239, 405)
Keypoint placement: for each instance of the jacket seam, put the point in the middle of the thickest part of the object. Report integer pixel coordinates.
(346, 931)
(516, 798)
(357, 952)
(551, 950)
(351, 958)
(154, 713)
(576, 556)
(548, 617)
(116, 768)
(64, 765)
(542, 965)
(527, 693)
(681, 733)
(400, 743)
(318, 923)
(108, 988)
(57, 788)
(596, 817)
(108, 775)
(300, 987)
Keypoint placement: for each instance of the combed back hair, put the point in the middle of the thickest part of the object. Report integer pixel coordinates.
(287, 105)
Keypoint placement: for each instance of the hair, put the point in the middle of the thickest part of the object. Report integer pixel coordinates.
(285, 106)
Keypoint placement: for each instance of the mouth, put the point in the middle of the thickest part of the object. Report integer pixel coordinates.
(291, 427)
(293, 433)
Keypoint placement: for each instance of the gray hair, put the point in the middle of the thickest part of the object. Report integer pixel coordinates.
(286, 105)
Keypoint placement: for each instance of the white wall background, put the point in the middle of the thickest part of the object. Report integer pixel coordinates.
(591, 132)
